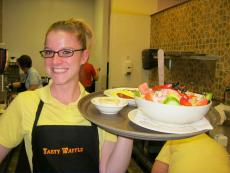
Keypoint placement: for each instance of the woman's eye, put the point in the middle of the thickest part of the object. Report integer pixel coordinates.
(48, 52)
(66, 52)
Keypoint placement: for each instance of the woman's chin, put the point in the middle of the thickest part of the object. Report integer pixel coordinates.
(59, 82)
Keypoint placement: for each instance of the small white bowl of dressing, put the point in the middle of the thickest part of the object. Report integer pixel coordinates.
(109, 105)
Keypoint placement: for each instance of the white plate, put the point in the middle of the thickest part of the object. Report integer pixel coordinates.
(113, 93)
(138, 118)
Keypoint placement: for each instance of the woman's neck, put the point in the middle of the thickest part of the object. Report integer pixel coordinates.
(65, 93)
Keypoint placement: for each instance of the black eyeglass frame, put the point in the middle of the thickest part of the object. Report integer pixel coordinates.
(54, 52)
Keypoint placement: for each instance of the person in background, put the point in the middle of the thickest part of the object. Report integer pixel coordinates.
(57, 137)
(200, 153)
(88, 75)
(31, 79)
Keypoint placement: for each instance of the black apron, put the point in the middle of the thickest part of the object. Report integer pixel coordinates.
(64, 148)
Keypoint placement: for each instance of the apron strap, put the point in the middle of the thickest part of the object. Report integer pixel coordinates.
(96, 137)
(39, 109)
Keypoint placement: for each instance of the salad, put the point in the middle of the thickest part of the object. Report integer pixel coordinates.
(174, 94)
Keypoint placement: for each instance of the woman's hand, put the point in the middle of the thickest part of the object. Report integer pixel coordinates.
(14, 85)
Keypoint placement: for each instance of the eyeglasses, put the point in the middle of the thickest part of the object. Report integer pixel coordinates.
(61, 53)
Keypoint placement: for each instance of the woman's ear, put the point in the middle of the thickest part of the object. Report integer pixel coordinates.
(85, 56)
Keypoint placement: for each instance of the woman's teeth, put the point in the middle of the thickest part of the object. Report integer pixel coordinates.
(59, 70)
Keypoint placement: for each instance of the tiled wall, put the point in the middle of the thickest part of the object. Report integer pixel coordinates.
(201, 26)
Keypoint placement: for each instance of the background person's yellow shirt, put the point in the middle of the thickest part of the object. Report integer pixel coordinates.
(198, 154)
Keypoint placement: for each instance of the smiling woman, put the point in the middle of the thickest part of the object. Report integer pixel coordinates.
(51, 113)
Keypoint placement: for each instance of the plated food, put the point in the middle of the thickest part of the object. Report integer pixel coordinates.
(172, 104)
(109, 105)
(124, 93)
(174, 94)
(171, 113)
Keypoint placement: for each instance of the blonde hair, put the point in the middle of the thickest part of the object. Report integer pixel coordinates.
(82, 30)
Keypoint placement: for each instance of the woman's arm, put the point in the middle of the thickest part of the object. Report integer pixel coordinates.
(115, 156)
(15, 85)
(3, 152)
(96, 76)
(159, 167)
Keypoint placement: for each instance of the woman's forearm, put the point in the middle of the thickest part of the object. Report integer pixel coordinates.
(3, 152)
(120, 157)
(16, 84)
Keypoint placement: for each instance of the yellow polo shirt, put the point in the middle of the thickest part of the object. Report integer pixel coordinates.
(198, 154)
(17, 122)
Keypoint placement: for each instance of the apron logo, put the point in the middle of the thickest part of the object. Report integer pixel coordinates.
(63, 150)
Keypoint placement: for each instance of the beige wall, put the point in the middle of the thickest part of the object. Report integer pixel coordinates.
(26, 21)
(138, 7)
(129, 35)
(101, 23)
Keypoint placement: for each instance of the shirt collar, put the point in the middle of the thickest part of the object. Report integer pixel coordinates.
(46, 97)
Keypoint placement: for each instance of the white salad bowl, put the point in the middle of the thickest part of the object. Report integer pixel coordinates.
(173, 114)
(109, 105)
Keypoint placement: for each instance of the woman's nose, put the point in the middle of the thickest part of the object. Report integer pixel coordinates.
(57, 59)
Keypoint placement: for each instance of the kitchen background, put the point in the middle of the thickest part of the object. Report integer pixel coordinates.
(25, 22)
(200, 26)
(123, 28)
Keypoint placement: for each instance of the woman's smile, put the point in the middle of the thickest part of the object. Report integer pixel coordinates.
(59, 70)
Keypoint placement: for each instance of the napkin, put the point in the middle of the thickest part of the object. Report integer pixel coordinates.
(220, 109)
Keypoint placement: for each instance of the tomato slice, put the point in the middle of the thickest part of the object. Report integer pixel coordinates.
(185, 102)
(144, 88)
(185, 96)
(156, 87)
(159, 87)
(167, 86)
(202, 102)
(148, 96)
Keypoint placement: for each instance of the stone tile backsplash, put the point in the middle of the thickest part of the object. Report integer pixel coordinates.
(200, 26)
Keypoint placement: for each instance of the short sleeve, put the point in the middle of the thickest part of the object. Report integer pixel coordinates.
(11, 125)
(165, 153)
(93, 71)
(34, 79)
(110, 137)
(106, 136)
